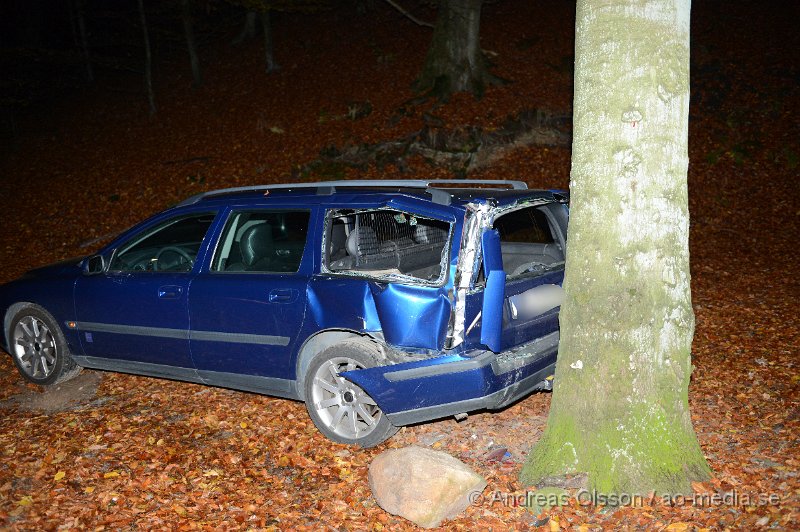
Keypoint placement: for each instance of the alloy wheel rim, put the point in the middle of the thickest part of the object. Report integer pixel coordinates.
(34, 347)
(344, 408)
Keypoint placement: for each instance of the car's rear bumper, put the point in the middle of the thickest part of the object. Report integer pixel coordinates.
(419, 391)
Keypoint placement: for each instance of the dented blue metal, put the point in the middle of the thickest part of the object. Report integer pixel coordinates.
(448, 342)
(402, 308)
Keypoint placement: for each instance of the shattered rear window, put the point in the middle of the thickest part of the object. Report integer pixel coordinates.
(386, 244)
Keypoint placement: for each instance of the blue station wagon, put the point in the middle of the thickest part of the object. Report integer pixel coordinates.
(377, 303)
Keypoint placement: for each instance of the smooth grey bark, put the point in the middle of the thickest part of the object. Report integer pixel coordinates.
(191, 44)
(455, 61)
(619, 411)
(148, 60)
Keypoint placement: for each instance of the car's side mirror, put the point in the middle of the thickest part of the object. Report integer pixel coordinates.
(94, 265)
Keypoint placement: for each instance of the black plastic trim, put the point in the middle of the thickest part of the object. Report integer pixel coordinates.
(249, 383)
(184, 334)
(139, 368)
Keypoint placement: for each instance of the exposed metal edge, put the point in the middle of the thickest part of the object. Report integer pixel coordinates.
(460, 366)
(476, 219)
(493, 401)
(182, 334)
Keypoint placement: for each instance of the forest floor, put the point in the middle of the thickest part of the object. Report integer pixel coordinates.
(113, 451)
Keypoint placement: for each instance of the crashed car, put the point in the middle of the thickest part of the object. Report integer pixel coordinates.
(377, 303)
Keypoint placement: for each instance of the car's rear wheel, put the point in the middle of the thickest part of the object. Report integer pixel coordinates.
(340, 409)
(38, 347)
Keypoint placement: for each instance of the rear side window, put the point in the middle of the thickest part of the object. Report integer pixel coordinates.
(386, 243)
(528, 242)
(262, 241)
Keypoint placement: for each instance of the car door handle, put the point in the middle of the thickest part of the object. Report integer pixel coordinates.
(170, 292)
(283, 295)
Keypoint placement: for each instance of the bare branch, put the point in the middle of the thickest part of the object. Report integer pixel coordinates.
(411, 17)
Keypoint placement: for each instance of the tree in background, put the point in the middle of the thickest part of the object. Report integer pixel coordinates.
(191, 43)
(148, 60)
(262, 9)
(78, 21)
(620, 404)
(455, 61)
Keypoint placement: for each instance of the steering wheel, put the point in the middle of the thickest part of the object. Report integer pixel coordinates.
(176, 250)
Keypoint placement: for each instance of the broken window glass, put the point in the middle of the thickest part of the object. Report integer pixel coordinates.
(386, 243)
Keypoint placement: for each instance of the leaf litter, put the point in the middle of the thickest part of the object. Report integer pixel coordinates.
(154, 454)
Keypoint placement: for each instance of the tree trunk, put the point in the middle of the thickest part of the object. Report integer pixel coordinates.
(620, 410)
(248, 29)
(455, 62)
(84, 40)
(269, 56)
(191, 45)
(148, 61)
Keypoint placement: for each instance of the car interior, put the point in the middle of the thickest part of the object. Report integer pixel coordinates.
(383, 241)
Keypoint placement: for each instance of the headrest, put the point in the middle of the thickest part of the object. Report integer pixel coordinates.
(362, 241)
(256, 243)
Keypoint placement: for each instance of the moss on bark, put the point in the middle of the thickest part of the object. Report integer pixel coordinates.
(620, 403)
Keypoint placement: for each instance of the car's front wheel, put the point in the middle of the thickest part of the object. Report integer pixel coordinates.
(39, 348)
(340, 409)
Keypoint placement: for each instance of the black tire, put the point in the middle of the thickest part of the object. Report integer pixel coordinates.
(39, 348)
(351, 416)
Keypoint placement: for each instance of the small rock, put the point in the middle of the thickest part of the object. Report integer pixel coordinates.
(423, 485)
(430, 439)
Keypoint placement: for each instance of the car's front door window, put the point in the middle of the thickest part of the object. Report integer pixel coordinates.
(169, 247)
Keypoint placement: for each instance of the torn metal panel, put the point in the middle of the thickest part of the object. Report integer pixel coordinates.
(476, 220)
(387, 309)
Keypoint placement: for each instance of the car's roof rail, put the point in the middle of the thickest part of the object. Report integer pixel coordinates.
(329, 187)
